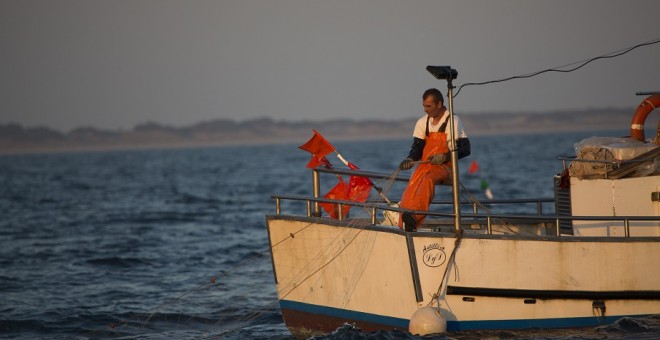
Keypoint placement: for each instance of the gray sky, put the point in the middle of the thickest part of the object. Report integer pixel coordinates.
(115, 64)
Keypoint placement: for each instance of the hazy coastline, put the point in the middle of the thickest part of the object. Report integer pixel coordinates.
(16, 139)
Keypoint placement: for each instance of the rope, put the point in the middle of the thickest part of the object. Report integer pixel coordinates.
(324, 258)
(324, 265)
(450, 264)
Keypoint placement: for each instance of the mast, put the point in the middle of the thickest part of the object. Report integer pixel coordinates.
(448, 73)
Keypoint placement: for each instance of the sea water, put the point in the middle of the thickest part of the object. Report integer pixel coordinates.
(172, 244)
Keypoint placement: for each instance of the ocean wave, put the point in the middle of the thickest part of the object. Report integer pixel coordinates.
(648, 326)
(114, 261)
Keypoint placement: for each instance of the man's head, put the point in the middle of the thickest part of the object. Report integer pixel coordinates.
(432, 102)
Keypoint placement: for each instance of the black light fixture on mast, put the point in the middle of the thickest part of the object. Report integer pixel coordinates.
(442, 72)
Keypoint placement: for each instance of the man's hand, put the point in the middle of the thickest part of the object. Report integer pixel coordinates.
(406, 164)
(439, 159)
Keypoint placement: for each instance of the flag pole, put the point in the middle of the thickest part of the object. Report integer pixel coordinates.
(449, 74)
(454, 158)
(341, 158)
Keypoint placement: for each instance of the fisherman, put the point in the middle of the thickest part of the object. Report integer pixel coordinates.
(432, 145)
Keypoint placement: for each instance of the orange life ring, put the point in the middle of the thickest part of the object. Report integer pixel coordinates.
(643, 110)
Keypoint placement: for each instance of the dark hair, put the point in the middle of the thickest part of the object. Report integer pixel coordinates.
(437, 95)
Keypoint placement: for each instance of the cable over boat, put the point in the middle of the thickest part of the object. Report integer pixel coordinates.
(594, 260)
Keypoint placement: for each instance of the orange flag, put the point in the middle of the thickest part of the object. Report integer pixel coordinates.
(358, 186)
(474, 167)
(315, 161)
(318, 146)
(357, 190)
(338, 192)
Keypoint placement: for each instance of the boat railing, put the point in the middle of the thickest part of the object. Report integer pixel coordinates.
(478, 206)
(614, 163)
(378, 206)
(374, 207)
(538, 202)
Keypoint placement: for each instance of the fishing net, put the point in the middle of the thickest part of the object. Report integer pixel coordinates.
(598, 156)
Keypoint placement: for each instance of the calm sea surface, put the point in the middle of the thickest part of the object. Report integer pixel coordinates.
(172, 243)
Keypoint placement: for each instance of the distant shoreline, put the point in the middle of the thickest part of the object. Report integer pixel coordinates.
(15, 139)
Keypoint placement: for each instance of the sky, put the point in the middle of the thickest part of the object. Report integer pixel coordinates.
(115, 64)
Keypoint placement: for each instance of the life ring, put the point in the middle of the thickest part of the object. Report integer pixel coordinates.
(637, 125)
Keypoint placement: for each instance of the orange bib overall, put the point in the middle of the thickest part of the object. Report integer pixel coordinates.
(421, 188)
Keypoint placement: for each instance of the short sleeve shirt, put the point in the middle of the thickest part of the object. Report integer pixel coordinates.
(420, 128)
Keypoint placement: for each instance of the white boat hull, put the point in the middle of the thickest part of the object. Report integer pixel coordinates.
(329, 272)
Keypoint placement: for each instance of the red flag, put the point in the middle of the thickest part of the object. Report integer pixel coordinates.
(338, 192)
(318, 145)
(358, 186)
(357, 190)
(474, 167)
(315, 161)
(354, 167)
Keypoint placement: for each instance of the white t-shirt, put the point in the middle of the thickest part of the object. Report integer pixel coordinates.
(420, 127)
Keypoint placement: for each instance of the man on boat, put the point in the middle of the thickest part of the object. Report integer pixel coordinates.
(432, 145)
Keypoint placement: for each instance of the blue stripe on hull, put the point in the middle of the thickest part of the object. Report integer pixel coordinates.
(392, 322)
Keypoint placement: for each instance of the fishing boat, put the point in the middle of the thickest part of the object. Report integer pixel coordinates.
(593, 260)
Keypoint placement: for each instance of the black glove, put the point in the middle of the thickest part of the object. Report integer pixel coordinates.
(406, 164)
(439, 159)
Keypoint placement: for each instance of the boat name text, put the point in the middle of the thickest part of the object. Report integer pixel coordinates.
(434, 255)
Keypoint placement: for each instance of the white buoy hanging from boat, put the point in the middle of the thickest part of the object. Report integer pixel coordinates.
(427, 320)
